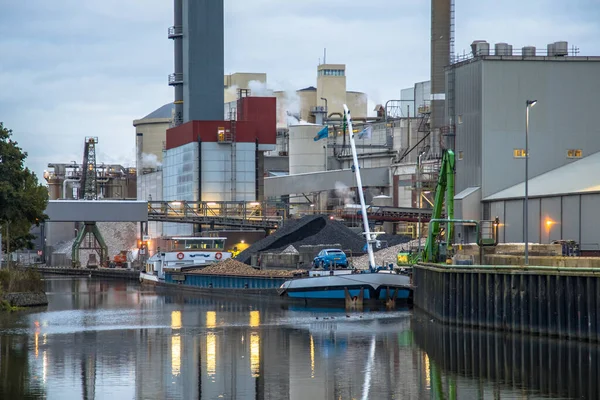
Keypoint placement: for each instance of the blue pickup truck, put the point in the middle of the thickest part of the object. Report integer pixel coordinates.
(328, 257)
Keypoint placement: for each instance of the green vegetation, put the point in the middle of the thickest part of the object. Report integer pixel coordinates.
(20, 280)
(22, 198)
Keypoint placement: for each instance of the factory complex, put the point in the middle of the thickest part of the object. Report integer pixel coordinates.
(246, 150)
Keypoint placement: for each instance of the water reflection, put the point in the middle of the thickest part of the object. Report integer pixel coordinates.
(114, 340)
(467, 363)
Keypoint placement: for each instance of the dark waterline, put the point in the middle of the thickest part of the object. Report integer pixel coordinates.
(102, 339)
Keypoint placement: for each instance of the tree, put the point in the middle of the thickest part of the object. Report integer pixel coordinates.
(22, 199)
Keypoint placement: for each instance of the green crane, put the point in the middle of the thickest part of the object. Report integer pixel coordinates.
(444, 190)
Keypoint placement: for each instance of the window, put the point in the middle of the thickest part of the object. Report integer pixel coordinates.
(574, 153)
(460, 155)
(519, 153)
(459, 119)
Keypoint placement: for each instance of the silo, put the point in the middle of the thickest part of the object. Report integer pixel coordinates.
(306, 155)
(357, 104)
(307, 99)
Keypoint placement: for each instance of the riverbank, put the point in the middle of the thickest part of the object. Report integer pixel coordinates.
(21, 288)
(125, 274)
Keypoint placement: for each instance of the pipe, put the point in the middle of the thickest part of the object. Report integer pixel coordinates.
(529, 268)
(139, 145)
(64, 193)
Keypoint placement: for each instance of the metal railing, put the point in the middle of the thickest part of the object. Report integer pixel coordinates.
(513, 54)
(176, 78)
(226, 213)
(175, 31)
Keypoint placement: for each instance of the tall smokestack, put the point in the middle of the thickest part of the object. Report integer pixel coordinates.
(203, 60)
(176, 79)
(441, 39)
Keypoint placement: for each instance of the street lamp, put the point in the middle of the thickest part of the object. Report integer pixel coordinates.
(529, 104)
(326, 110)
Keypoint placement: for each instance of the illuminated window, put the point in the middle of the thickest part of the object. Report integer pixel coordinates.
(460, 119)
(519, 153)
(574, 153)
(460, 155)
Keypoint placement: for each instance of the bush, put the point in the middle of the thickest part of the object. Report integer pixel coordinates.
(20, 280)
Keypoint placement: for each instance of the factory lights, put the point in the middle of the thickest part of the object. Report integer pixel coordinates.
(529, 104)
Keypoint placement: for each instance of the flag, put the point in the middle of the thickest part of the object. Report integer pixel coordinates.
(366, 133)
(322, 134)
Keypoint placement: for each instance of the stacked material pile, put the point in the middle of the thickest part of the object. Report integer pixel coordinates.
(117, 235)
(236, 268)
(385, 256)
(313, 230)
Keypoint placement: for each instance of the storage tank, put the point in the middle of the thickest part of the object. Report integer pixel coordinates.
(308, 100)
(357, 104)
(551, 52)
(306, 155)
(561, 48)
(529, 51)
(503, 49)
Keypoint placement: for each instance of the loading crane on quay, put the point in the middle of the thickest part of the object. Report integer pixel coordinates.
(438, 247)
(88, 234)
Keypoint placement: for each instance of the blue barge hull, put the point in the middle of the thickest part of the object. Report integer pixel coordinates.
(224, 282)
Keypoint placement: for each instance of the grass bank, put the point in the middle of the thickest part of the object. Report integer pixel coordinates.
(18, 281)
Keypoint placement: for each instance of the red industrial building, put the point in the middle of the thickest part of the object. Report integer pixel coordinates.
(221, 160)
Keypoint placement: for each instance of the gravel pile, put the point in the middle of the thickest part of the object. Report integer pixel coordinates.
(117, 235)
(236, 268)
(290, 250)
(385, 256)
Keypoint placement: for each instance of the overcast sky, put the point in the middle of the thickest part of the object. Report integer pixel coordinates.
(72, 68)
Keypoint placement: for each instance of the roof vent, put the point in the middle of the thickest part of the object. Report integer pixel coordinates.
(561, 48)
(529, 51)
(480, 48)
(503, 49)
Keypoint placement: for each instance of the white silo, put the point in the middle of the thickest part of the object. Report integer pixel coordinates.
(305, 154)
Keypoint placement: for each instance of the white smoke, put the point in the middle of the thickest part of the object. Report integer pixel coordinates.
(150, 161)
(343, 192)
(259, 89)
(231, 92)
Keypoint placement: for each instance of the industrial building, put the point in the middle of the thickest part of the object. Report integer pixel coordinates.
(113, 181)
(492, 88)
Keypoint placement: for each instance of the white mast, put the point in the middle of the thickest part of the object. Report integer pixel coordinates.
(363, 207)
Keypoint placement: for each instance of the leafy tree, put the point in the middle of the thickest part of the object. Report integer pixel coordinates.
(22, 199)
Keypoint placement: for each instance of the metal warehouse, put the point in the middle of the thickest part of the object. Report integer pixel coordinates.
(490, 103)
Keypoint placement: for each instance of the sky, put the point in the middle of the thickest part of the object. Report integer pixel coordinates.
(71, 68)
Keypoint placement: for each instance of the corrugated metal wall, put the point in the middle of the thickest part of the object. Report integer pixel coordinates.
(571, 217)
(468, 97)
(564, 118)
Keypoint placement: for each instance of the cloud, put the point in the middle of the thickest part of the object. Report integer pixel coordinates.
(72, 69)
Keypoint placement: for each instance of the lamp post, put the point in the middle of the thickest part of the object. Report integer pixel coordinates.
(529, 104)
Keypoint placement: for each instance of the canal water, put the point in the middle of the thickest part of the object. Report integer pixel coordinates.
(105, 339)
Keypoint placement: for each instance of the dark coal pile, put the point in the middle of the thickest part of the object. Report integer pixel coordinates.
(308, 230)
(313, 230)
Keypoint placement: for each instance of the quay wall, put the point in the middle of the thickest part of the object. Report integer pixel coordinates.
(125, 274)
(562, 302)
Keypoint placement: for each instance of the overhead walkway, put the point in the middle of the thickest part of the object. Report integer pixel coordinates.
(232, 214)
